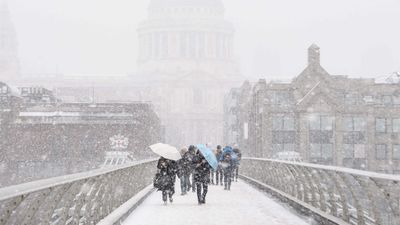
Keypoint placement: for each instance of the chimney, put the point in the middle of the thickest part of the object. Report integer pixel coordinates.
(313, 55)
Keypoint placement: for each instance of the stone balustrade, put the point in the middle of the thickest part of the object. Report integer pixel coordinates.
(83, 198)
(340, 195)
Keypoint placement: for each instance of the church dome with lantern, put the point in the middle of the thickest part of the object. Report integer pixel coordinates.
(182, 36)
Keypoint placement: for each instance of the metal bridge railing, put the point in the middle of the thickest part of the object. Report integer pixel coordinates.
(83, 198)
(351, 196)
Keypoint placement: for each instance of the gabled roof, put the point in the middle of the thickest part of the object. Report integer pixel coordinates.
(319, 91)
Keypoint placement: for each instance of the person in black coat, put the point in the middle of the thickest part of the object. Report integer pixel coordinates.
(237, 164)
(201, 176)
(167, 169)
(219, 173)
(192, 153)
(184, 170)
(227, 166)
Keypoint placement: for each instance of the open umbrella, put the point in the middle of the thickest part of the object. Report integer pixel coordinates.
(166, 151)
(208, 155)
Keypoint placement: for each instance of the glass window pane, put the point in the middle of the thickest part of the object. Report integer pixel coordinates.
(288, 123)
(315, 150)
(289, 147)
(360, 124)
(315, 122)
(396, 100)
(277, 148)
(381, 151)
(348, 151)
(348, 124)
(380, 125)
(396, 151)
(359, 151)
(277, 123)
(387, 100)
(327, 152)
(326, 123)
(396, 125)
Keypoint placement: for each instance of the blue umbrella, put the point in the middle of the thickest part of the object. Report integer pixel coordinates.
(208, 155)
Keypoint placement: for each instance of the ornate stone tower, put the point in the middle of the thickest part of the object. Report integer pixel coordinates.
(9, 65)
(186, 51)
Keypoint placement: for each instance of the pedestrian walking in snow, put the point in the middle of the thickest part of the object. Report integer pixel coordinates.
(237, 163)
(219, 173)
(192, 153)
(167, 175)
(227, 166)
(184, 170)
(201, 176)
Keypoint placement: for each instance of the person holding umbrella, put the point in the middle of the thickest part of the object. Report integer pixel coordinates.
(167, 170)
(201, 176)
(203, 161)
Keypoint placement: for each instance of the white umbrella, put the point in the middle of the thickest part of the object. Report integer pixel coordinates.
(166, 151)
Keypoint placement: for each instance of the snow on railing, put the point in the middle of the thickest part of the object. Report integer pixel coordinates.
(83, 198)
(347, 195)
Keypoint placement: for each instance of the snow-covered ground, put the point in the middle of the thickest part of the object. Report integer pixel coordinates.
(243, 205)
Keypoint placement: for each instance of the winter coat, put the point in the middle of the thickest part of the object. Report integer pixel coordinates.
(185, 165)
(167, 170)
(202, 169)
(227, 164)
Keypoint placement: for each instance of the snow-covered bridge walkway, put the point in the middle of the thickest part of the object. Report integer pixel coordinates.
(242, 205)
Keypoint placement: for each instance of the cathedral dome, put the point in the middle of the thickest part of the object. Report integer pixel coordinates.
(186, 3)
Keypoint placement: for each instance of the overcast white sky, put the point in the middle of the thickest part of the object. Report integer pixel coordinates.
(357, 37)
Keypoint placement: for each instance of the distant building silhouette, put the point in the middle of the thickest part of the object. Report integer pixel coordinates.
(9, 64)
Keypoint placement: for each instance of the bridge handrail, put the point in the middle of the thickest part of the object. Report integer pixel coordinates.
(335, 191)
(85, 197)
(335, 168)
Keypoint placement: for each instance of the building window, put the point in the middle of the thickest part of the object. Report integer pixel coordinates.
(276, 148)
(354, 124)
(280, 123)
(279, 97)
(387, 100)
(324, 151)
(321, 123)
(350, 99)
(380, 125)
(381, 151)
(354, 151)
(396, 152)
(396, 125)
(198, 97)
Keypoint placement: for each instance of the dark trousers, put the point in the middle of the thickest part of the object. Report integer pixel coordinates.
(219, 176)
(227, 179)
(236, 173)
(185, 183)
(201, 197)
(168, 192)
(193, 183)
(212, 176)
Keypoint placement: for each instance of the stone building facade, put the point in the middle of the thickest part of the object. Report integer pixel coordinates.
(187, 56)
(42, 139)
(328, 119)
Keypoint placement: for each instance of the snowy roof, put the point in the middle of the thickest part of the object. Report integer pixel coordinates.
(393, 78)
(186, 3)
